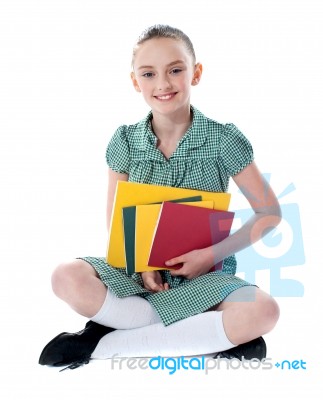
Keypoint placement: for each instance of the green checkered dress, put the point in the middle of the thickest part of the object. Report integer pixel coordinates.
(205, 158)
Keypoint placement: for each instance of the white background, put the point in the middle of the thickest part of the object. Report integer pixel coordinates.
(65, 88)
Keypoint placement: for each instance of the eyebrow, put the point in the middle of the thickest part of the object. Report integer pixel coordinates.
(168, 65)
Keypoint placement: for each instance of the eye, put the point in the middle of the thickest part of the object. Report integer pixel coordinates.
(148, 75)
(176, 71)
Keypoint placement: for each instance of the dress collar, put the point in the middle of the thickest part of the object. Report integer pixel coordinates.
(194, 137)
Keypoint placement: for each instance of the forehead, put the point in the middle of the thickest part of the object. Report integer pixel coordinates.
(161, 51)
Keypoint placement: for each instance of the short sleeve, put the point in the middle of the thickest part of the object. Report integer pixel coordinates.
(117, 153)
(236, 150)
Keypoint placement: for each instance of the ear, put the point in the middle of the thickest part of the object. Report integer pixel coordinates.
(198, 69)
(135, 82)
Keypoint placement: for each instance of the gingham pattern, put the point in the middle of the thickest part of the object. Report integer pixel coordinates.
(184, 299)
(205, 158)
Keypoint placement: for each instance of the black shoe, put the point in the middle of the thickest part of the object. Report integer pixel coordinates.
(73, 348)
(255, 349)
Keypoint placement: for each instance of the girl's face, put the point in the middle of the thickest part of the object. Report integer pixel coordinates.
(163, 72)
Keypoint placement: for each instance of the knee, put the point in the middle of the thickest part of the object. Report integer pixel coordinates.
(59, 278)
(64, 277)
(269, 313)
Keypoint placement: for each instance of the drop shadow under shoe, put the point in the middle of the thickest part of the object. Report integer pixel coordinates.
(256, 349)
(73, 348)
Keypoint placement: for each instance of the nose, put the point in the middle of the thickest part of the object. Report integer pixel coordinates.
(163, 83)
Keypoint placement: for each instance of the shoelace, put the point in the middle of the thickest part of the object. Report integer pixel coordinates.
(76, 364)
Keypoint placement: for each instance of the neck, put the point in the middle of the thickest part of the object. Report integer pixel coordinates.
(171, 127)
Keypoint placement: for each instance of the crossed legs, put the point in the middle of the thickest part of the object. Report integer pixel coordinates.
(246, 313)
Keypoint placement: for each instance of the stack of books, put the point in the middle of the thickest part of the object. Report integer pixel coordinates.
(152, 224)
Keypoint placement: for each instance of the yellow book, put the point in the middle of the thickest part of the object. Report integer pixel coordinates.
(133, 194)
(146, 222)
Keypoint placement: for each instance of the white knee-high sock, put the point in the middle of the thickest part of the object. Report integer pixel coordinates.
(201, 334)
(125, 313)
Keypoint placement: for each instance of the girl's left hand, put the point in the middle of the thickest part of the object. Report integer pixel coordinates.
(195, 263)
(153, 281)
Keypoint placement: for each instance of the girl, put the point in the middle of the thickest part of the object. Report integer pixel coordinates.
(187, 311)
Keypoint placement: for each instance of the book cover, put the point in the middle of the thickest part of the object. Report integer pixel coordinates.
(182, 228)
(129, 228)
(131, 194)
(146, 221)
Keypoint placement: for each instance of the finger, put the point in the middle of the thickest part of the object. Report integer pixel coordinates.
(166, 286)
(174, 261)
(148, 287)
(177, 272)
(157, 288)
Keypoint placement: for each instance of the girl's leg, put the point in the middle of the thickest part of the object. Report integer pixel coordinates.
(244, 315)
(78, 284)
(248, 313)
(200, 334)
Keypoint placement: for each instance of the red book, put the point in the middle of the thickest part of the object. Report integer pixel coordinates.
(182, 228)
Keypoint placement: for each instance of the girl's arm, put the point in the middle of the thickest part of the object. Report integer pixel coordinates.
(267, 215)
(113, 178)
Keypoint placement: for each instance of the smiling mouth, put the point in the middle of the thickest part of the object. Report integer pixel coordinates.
(164, 97)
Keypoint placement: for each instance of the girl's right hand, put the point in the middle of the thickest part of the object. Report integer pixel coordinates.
(153, 281)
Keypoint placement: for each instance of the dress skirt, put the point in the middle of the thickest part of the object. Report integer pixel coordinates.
(185, 298)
